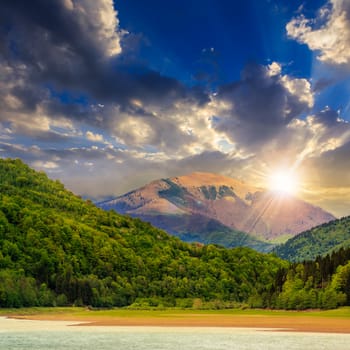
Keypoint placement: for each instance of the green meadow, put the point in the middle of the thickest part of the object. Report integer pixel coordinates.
(81, 313)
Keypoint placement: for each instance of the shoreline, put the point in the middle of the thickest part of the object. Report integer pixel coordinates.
(300, 322)
(43, 334)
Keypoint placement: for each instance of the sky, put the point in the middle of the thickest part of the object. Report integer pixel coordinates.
(107, 96)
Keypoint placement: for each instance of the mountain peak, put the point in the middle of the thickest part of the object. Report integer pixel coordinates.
(181, 205)
(204, 178)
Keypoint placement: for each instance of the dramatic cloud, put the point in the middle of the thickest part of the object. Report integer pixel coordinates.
(79, 103)
(63, 61)
(70, 29)
(261, 105)
(58, 42)
(73, 48)
(46, 45)
(328, 33)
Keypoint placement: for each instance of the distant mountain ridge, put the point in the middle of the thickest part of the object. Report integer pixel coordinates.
(200, 205)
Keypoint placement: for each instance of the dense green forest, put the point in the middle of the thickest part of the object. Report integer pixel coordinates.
(58, 249)
(319, 241)
(322, 283)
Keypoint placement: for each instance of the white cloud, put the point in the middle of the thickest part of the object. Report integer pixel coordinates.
(328, 33)
(68, 4)
(48, 165)
(5, 133)
(300, 88)
(99, 18)
(94, 137)
(135, 131)
(274, 69)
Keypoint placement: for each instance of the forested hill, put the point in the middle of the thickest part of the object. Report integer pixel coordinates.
(57, 249)
(319, 241)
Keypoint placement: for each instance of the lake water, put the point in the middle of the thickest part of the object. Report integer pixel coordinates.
(57, 335)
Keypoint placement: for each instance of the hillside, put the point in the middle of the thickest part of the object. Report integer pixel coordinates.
(57, 249)
(319, 241)
(212, 208)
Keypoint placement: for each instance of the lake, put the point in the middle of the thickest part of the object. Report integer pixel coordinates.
(58, 335)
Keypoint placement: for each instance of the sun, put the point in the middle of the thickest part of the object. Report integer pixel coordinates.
(284, 181)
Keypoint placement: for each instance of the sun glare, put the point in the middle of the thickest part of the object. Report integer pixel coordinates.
(284, 182)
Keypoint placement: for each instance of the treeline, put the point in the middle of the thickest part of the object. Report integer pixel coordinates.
(322, 283)
(57, 249)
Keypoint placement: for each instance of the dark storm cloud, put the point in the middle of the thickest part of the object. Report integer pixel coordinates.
(41, 135)
(120, 83)
(322, 84)
(262, 104)
(61, 43)
(327, 117)
(74, 32)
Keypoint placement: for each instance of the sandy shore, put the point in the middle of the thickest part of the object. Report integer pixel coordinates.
(292, 323)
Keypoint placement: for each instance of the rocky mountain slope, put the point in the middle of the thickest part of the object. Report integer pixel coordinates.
(203, 203)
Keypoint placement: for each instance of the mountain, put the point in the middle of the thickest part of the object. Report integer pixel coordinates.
(319, 241)
(213, 208)
(57, 249)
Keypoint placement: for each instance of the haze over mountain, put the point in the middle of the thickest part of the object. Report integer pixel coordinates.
(194, 205)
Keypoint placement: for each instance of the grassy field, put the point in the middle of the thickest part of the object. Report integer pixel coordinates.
(85, 313)
(116, 312)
